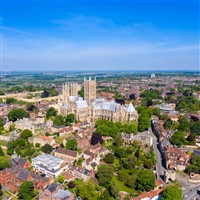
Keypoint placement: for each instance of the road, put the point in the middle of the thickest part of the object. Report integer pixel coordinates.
(159, 167)
(192, 193)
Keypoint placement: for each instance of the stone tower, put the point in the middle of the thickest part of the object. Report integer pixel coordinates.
(90, 90)
(70, 89)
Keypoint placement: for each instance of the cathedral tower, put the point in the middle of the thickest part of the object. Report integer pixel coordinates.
(89, 90)
(70, 89)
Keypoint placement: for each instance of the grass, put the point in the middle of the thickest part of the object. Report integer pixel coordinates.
(123, 187)
(6, 156)
(108, 144)
(3, 143)
(60, 139)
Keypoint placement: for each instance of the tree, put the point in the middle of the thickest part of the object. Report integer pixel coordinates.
(61, 179)
(86, 190)
(51, 112)
(104, 175)
(145, 180)
(81, 92)
(45, 94)
(1, 192)
(196, 128)
(96, 138)
(130, 127)
(172, 192)
(26, 190)
(131, 180)
(4, 163)
(47, 148)
(70, 118)
(109, 158)
(25, 134)
(1, 125)
(156, 111)
(178, 138)
(143, 121)
(71, 144)
(10, 100)
(71, 185)
(59, 120)
(18, 113)
(1, 151)
(123, 175)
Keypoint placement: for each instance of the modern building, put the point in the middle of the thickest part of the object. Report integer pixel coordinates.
(49, 165)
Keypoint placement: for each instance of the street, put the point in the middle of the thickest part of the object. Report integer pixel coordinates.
(159, 167)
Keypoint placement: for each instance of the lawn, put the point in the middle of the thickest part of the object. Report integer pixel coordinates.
(3, 143)
(60, 139)
(123, 187)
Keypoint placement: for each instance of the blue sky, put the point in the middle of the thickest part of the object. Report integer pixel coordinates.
(98, 35)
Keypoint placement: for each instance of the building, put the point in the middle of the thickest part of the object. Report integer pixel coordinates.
(42, 140)
(143, 139)
(90, 108)
(12, 178)
(20, 162)
(55, 192)
(153, 76)
(49, 165)
(176, 159)
(68, 155)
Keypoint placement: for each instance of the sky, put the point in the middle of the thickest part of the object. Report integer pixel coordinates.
(99, 35)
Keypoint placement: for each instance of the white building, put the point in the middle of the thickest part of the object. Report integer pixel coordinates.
(49, 165)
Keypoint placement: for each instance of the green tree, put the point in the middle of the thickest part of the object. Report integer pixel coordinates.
(59, 120)
(1, 125)
(156, 111)
(143, 121)
(70, 118)
(26, 191)
(109, 158)
(47, 148)
(104, 175)
(131, 180)
(196, 128)
(61, 179)
(81, 92)
(178, 138)
(18, 113)
(86, 190)
(25, 134)
(145, 180)
(51, 112)
(1, 151)
(71, 144)
(10, 100)
(172, 192)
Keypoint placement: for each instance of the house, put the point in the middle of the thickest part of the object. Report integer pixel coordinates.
(20, 162)
(68, 177)
(55, 192)
(25, 123)
(143, 139)
(68, 155)
(152, 195)
(65, 130)
(13, 177)
(42, 140)
(49, 165)
(176, 159)
(81, 173)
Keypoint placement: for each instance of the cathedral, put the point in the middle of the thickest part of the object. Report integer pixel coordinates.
(90, 108)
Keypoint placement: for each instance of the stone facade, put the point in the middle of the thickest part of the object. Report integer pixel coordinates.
(90, 109)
